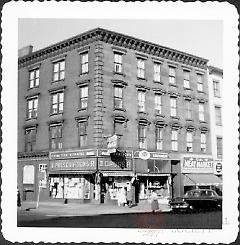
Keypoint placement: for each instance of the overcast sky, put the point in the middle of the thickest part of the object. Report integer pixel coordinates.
(203, 38)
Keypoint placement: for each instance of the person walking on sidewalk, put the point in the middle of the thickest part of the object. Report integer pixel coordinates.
(154, 202)
(122, 197)
(129, 196)
(18, 198)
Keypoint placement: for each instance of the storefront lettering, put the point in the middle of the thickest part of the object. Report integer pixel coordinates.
(73, 154)
(109, 165)
(197, 164)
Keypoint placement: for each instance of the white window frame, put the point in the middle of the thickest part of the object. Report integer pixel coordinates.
(118, 97)
(172, 75)
(188, 109)
(203, 140)
(173, 106)
(200, 82)
(201, 112)
(218, 115)
(84, 63)
(186, 80)
(216, 88)
(141, 101)
(32, 107)
(174, 139)
(83, 100)
(57, 102)
(157, 72)
(189, 140)
(34, 78)
(143, 139)
(118, 62)
(140, 68)
(159, 138)
(158, 103)
(59, 70)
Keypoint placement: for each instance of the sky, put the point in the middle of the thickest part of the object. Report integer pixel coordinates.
(203, 38)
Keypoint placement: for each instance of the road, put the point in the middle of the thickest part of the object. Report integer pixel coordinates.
(196, 220)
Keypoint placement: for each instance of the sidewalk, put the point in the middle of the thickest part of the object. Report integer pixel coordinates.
(75, 209)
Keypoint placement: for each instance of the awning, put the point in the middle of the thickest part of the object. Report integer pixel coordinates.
(201, 179)
(152, 174)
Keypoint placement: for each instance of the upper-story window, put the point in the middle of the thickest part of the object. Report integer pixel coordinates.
(174, 139)
(159, 138)
(84, 63)
(157, 72)
(82, 131)
(203, 139)
(59, 70)
(173, 106)
(56, 136)
(83, 100)
(30, 139)
(140, 68)
(201, 112)
(188, 104)
(189, 141)
(141, 101)
(200, 82)
(172, 75)
(118, 65)
(34, 78)
(218, 115)
(142, 136)
(219, 147)
(216, 88)
(186, 79)
(32, 107)
(118, 97)
(158, 103)
(57, 99)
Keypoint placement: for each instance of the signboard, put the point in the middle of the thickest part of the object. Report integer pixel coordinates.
(150, 155)
(73, 154)
(197, 165)
(217, 168)
(73, 164)
(128, 154)
(107, 164)
(144, 155)
(112, 143)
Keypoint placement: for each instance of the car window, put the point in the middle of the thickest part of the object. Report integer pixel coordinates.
(196, 193)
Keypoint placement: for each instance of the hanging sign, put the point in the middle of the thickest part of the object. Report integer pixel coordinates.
(144, 155)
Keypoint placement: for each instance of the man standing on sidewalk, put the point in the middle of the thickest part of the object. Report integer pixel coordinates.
(129, 195)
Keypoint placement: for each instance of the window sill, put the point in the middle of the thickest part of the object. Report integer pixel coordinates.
(159, 115)
(201, 92)
(119, 109)
(82, 109)
(141, 79)
(173, 85)
(158, 82)
(175, 117)
(189, 119)
(82, 74)
(142, 112)
(202, 121)
(188, 89)
(56, 114)
(58, 81)
(119, 73)
(31, 119)
(36, 87)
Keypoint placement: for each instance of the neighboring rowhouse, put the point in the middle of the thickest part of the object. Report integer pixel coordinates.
(77, 93)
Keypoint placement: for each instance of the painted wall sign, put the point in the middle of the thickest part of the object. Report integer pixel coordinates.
(197, 165)
(152, 155)
(107, 164)
(73, 154)
(217, 168)
(73, 164)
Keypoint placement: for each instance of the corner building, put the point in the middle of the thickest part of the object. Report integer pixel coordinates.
(76, 93)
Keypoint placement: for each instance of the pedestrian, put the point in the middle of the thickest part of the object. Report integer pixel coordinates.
(18, 198)
(154, 202)
(122, 197)
(129, 196)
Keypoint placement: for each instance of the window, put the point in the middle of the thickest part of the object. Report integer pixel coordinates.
(158, 103)
(83, 97)
(118, 63)
(200, 82)
(219, 147)
(157, 72)
(32, 107)
(203, 142)
(84, 63)
(34, 78)
(56, 137)
(201, 111)
(30, 139)
(159, 138)
(140, 68)
(172, 75)
(141, 101)
(216, 88)
(82, 129)
(118, 97)
(173, 107)
(28, 174)
(189, 141)
(118, 128)
(188, 109)
(186, 79)
(218, 115)
(59, 70)
(57, 103)
(174, 139)
(142, 137)
(42, 167)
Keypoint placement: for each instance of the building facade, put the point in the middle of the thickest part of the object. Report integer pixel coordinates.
(77, 93)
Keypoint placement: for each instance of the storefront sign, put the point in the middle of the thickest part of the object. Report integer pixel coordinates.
(150, 155)
(128, 154)
(144, 155)
(217, 169)
(197, 165)
(73, 164)
(107, 164)
(73, 154)
(112, 143)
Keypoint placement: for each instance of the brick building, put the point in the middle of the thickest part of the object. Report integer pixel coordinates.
(77, 93)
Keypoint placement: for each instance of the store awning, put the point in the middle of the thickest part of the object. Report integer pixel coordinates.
(201, 179)
(152, 174)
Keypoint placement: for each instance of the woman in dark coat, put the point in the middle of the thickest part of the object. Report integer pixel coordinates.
(154, 202)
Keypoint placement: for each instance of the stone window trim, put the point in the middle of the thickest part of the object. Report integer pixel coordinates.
(202, 100)
(82, 118)
(172, 64)
(58, 60)
(188, 97)
(159, 91)
(53, 92)
(55, 123)
(175, 125)
(34, 67)
(119, 83)
(117, 98)
(83, 83)
(143, 121)
(81, 53)
(141, 56)
(157, 60)
(186, 68)
(83, 50)
(160, 124)
(190, 128)
(142, 88)
(119, 50)
(31, 126)
(57, 138)
(174, 94)
(56, 90)
(31, 113)
(32, 96)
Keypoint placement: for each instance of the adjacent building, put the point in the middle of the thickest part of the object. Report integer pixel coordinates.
(74, 95)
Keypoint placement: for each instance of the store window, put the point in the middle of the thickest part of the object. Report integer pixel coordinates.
(28, 174)
(34, 78)
(158, 103)
(142, 136)
(157, 72)
(82, 128)
(42, 167)
(216, 88)
(203, 142)
(201, 111)
(84, 62)
(32, 107)
(218, 115)
(159, 138)
(118, 97)
(140, 68)
(219, 148)
(186, 79)
(56, 136)
(141, 101)
(118, 66)
(30, 139)
(57, 100)
(172, 75)
(188, 104)
(189, 141)
(174, 139)
(200, 82)
(173, 106)
(58, 70)
(83, 101)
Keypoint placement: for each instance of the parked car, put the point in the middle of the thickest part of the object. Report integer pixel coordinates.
(197, 199)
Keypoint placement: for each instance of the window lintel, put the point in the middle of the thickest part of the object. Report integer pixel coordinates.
(118, 50)
(32, 96)
(59, 58)
(56, 90)
(83, 50)
(83, 83)
(141, 56)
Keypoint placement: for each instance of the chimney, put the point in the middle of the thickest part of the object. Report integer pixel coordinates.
(25, 51)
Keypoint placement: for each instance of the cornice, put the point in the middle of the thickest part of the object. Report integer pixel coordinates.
(116, 39)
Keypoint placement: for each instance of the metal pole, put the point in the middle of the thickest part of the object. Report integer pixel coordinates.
(39, 189)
